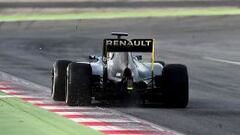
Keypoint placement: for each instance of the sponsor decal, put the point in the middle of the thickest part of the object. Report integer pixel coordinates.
(124, 45)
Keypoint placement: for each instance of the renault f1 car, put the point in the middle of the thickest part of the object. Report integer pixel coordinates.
(119, 74)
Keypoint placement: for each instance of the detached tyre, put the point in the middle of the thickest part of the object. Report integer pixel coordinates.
(59, 80)
(175, 84)
(78, 84)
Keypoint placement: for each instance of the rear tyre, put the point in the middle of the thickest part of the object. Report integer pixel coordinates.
(78, 90)
(175, 85)
(59, 79)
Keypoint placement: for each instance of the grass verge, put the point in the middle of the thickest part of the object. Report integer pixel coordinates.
(20, 118)
(128, 13)
(2, 94)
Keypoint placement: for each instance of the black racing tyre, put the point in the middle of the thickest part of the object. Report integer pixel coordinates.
(175, 85)
(161, 62)
(59, 79)
(78, 90)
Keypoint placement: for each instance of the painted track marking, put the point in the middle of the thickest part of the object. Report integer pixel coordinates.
(84, 113)
(222, 60)
(104, 120)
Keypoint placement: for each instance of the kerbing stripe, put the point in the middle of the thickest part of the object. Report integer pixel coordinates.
(4, 83)
(102, 128)
(6, 88)
(83, 113)
(77, 116)
(63, 108)
(50, 104)
(80, 120)
(96, 123)
(22, 96)
(104, 120)
(15, 93)
(35, 102)
(32, 99)
(111, 123)
(12, 92)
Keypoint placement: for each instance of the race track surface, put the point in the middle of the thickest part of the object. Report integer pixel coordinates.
(120, 4)
(209, 46)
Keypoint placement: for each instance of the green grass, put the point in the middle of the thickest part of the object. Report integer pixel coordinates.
(166, 12)
(2, 94)
(20, 118)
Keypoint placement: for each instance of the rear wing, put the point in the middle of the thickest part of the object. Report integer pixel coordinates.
(124, 45)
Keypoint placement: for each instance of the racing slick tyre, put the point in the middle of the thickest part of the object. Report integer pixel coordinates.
(175, 85)
(59, 79)
(78, 90)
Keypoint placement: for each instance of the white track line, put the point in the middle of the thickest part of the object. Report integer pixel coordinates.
(222, 60)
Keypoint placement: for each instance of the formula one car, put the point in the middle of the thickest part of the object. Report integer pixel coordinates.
(119, 74)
